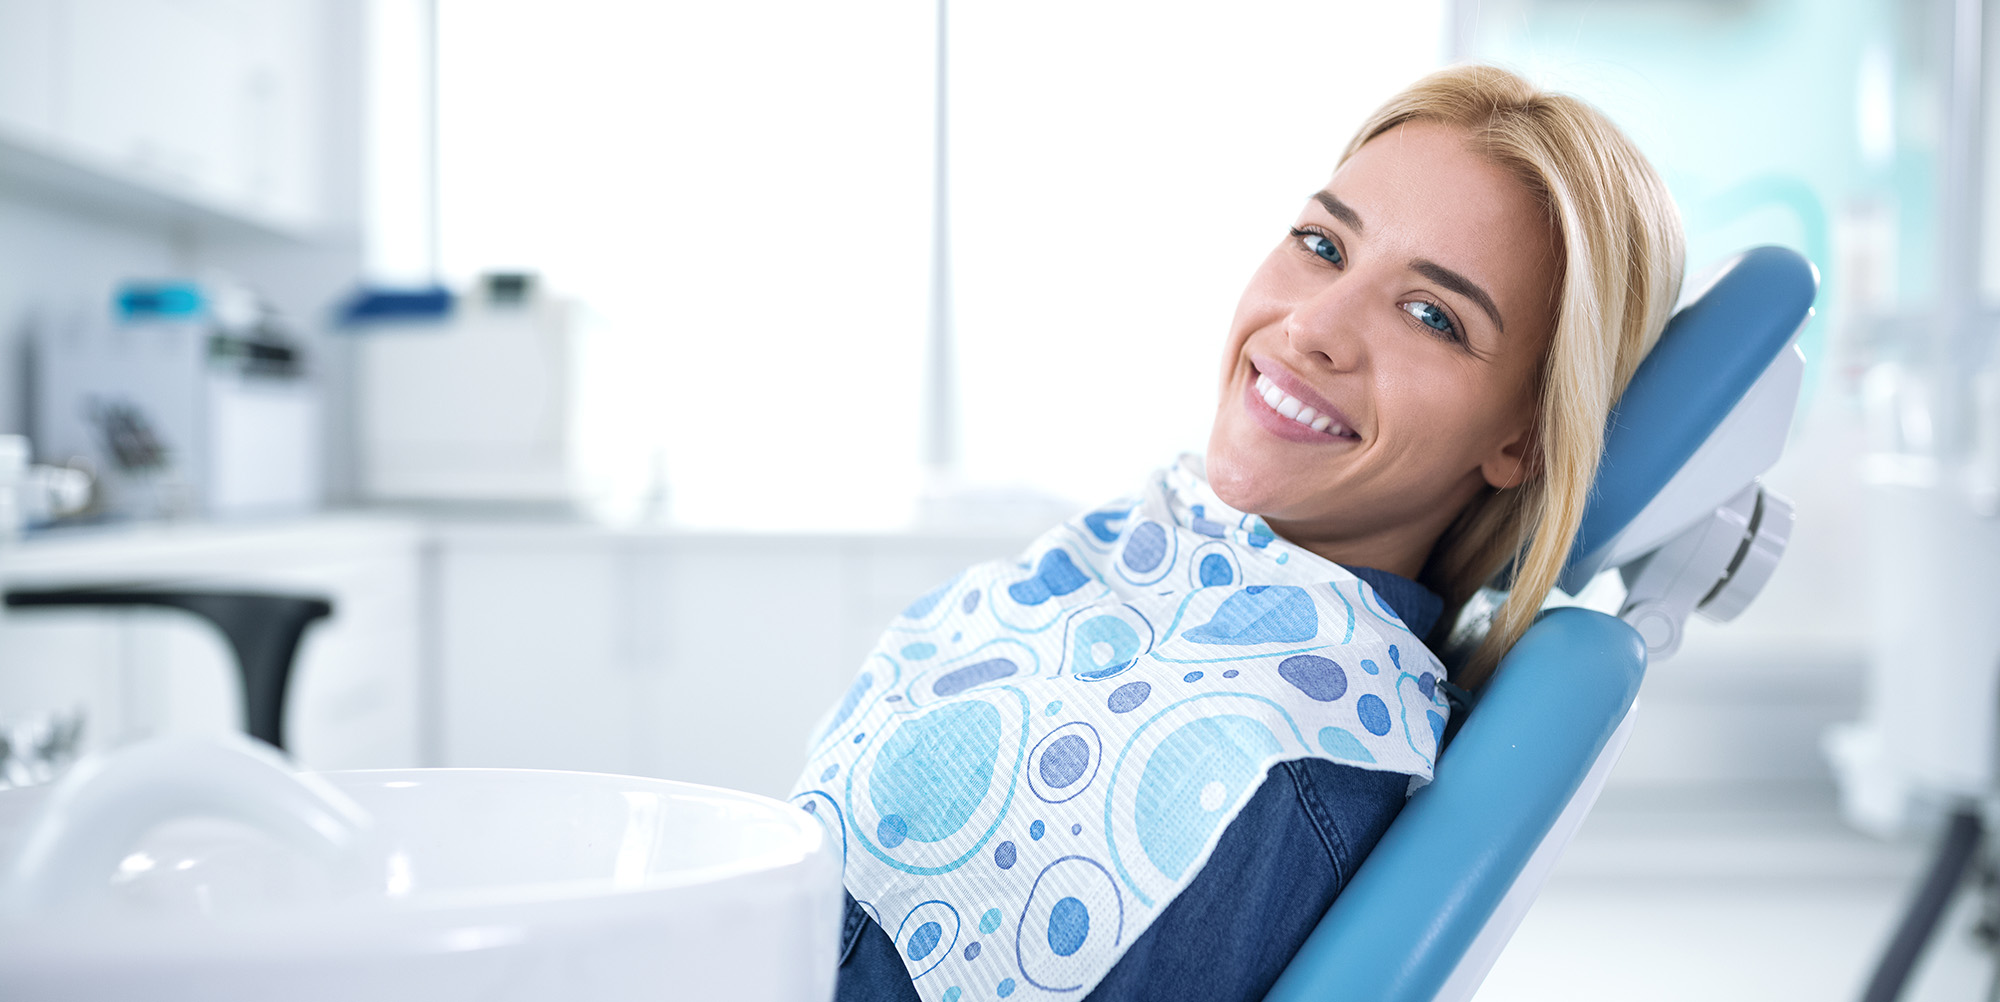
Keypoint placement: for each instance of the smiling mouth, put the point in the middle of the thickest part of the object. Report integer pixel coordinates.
(1289, 407)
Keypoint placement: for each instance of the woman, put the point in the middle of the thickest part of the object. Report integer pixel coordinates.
(1035, 794)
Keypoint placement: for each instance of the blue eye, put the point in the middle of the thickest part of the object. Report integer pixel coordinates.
(1319, 244)
(1432, 316)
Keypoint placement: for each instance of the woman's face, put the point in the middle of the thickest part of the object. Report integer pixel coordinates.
(1404, 320)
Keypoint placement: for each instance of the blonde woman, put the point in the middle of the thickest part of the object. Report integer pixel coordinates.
(1140, 762)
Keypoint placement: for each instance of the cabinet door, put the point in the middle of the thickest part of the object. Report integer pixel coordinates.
(213, 99)
(28, 38)
(155, 87)
(280, 104)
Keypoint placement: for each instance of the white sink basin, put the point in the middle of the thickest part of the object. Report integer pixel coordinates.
(178, 872)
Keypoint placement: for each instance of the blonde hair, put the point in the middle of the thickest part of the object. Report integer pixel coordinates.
(1620, 256)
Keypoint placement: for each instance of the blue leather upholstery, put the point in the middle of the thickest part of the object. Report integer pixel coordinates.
(1711, 352)
(1397, 931)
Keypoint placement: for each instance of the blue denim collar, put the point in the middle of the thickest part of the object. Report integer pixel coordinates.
(1415, 604)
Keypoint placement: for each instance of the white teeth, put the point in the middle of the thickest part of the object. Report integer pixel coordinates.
(1293, 408)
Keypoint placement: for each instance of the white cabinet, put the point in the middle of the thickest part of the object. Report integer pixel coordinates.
(29, 67)
(697, 656)
(357, 694)
(209, 103)
(701, 657)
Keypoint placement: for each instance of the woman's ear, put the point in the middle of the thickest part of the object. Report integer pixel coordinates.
(1518, 460)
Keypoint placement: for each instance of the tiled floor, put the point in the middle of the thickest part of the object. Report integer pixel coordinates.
(1721, 896)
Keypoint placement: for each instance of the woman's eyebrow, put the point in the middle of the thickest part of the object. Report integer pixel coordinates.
(1460, 284)
(1339, 210)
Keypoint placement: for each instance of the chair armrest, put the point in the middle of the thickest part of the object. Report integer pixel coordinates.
(1399, 928)
(263, 630)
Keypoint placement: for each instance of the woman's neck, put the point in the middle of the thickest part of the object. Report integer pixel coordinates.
(1397, 556)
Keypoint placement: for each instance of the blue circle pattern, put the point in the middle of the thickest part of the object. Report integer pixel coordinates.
(928, 934)
(924, 941)
(955, 746)
(1128, 697)
(1177, 808)
(1146, 548)
(1105, 645)
(892, 831)
(1374, 714)
(1214, 563)
(1073, 920)
(1063, 763)
(1069, 926)
(930, 779)
(1319, 678)
(932, 788)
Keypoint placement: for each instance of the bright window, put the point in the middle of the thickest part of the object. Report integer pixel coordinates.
(742, 195)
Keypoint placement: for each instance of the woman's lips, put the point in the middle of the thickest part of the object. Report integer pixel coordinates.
(1292, 407)
(1288, 411)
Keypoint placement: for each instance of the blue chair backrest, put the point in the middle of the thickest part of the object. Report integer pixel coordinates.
(1398, 930)
(1711, 353)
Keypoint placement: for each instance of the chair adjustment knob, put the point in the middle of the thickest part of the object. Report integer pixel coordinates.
(1714, 567)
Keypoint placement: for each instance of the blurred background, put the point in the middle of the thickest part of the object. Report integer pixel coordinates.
(612, 371)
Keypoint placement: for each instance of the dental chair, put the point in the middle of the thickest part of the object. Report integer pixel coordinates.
(1677, 510)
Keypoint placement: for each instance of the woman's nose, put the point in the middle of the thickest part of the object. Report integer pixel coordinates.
(1330, 325)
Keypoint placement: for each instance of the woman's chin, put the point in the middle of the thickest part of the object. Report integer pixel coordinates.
(1248, 482)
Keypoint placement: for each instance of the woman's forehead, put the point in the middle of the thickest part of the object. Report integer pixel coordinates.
(1429, 159)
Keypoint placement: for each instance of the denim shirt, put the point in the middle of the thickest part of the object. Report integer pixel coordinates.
(1235, 926)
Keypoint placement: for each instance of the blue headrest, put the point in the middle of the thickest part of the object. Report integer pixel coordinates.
(1708, 357)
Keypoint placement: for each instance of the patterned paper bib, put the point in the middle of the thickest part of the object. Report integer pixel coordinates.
(1039, 755)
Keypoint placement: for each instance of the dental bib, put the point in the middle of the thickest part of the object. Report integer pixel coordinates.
(1039, 755)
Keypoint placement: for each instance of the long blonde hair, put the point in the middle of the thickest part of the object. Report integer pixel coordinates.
(1620, 253)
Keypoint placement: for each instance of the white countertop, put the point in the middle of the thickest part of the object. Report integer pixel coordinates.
(97, 553)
